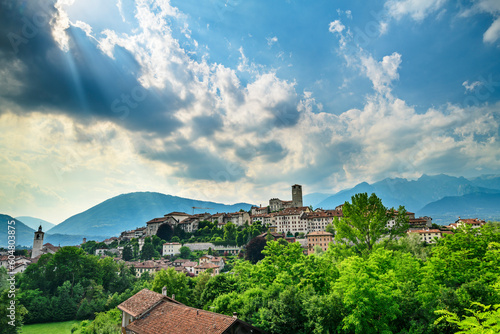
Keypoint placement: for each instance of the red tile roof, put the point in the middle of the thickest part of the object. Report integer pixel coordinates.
(176, 213)
(142, 302)
(319, 233)
(155, 220)
(425, 231)
(207, 265)
(181, 319)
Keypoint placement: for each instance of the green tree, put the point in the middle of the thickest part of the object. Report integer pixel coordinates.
(485, 320)
(176, 283)
(185, 252)
(127, 253)
(148, 251)
(230, 232)
(364, 222)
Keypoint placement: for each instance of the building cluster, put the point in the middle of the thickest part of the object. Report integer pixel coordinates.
(151, 312)
(207, 262)
(430, 236)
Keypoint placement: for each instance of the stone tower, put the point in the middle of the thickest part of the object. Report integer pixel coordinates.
(37, 243)
(297, 195)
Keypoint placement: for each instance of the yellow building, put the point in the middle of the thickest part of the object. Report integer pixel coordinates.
(319, 238)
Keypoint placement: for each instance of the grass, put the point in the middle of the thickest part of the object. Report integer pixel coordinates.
(49, 328)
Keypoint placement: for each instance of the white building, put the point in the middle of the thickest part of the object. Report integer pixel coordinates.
(171, 248)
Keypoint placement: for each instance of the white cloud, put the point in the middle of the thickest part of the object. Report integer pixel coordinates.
(493, 33)
(272, 40)
(336, 26)
(472, 86)
(382, 73)
(416, 9)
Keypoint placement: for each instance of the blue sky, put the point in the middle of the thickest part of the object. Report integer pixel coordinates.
(237, 100)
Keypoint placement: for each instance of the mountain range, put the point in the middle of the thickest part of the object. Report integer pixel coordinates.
(441, 197)
(129, 211)
(424, 196)
(34, 223)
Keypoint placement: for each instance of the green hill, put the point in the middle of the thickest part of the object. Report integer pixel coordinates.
(129, 211)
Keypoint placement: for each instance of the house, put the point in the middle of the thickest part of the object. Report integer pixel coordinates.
(100, 251)
(264, 218)
(258, 210)
(427, 235)
(318, 238)
(110, 240)
(148, 312)
(171, 248)
(237, 218)
(219, 261)
(206, 266)
(147, 266)
(179, 262)
(189, 266)
(139, 304)
(474, 223)
(189, 225)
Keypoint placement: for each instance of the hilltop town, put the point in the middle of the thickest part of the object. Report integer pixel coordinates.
(281, 219)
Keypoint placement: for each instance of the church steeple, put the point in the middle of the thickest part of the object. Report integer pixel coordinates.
(37, 243)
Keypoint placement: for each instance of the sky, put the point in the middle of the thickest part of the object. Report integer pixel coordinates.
(235, 101)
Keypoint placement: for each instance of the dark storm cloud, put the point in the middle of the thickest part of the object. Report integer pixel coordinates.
(205, 126)
(271, 151)
(83, 82)
(194, 163)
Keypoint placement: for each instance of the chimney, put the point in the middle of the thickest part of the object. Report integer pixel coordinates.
(173, 296)
(164, 291)
(235, 315)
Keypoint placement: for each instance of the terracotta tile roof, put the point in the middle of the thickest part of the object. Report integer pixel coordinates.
(176, 213)
(189, 264)
(318, 233)
(180, 261)
(143, 301)
(207, 265)
(51, 247)
(471, 221)
(292, 211)
(181, 319)
(425, 231)
(154, 220)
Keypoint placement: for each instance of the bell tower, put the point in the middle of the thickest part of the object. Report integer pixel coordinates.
(37, 243)
(297, 195)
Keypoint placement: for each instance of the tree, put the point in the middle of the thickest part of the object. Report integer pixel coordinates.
(255, 248)
(127, 253)
(185, 252)
(364, 222)
(148, 251)
(330, 229)
(230, 232)
(482, 321)
(176, 283)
